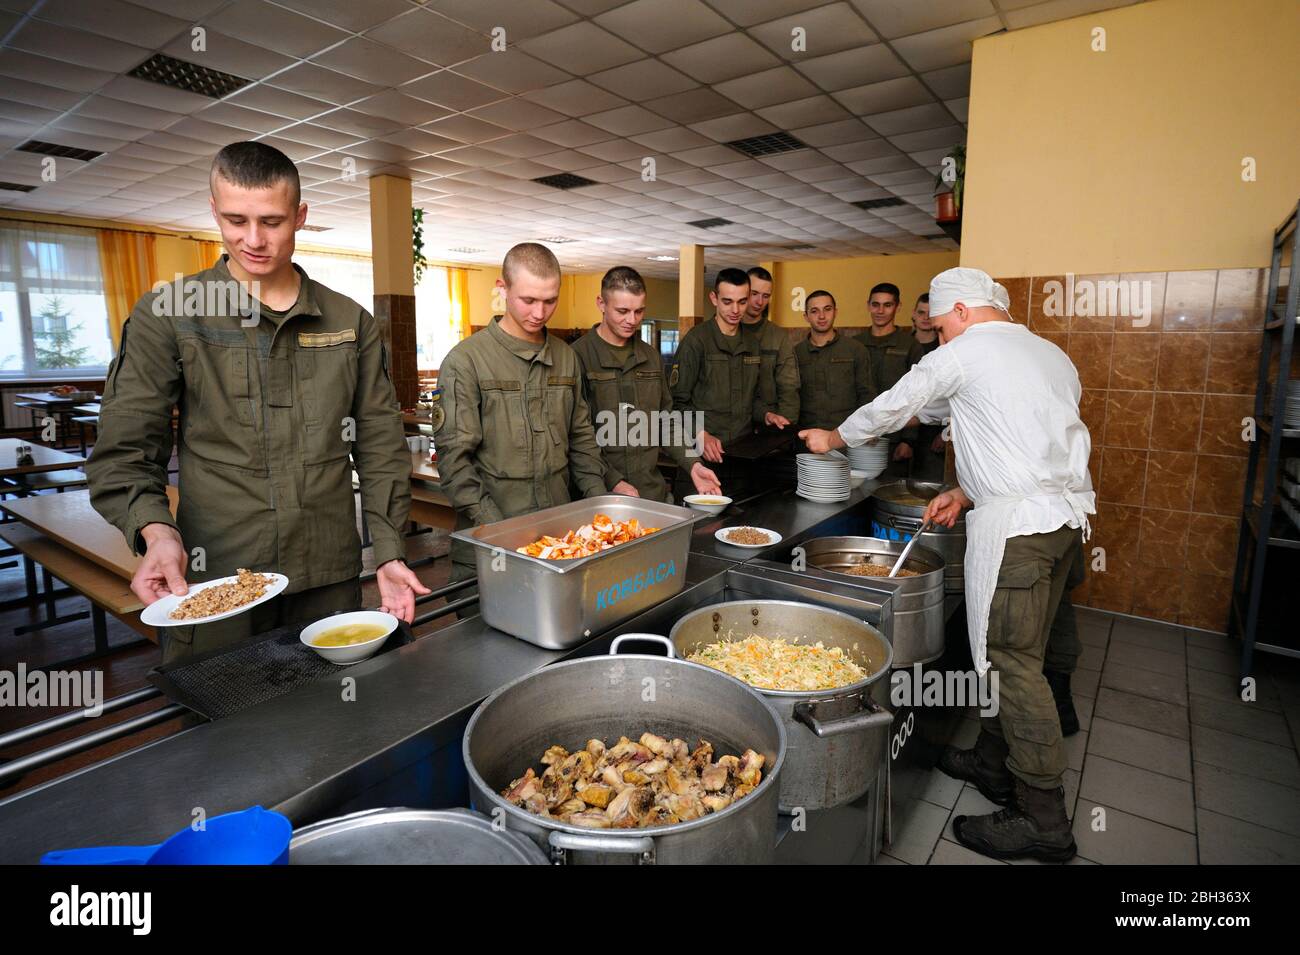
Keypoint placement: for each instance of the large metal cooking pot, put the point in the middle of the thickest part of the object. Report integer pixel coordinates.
(897, 516)
(837, 739)
(918, 621)
(411, 837)
(608, 697)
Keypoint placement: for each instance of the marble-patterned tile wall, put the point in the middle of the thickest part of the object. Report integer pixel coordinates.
(1164, 402)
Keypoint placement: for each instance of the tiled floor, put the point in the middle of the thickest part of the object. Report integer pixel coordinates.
(1170, 766)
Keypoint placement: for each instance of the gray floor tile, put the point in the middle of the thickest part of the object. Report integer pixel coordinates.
(1120, 707)
(1213, 641)
(1084, 682)
(1226, 686)
(1242, 719)
(1091, 658)
(1075, 747)
(1138, 791)
(1094, 636)
(1146, 658)
(1093, 619)
(917, 827)
(1243, 797)
(1128, 839)
(1145, 633)
(1170, 688)
(1070, 783)
(1136, 746)
(940, 788)
(886, 859)
(1205, 658)
(1249, 757)
(950, 853)
(1083, 706)
(1227, 841)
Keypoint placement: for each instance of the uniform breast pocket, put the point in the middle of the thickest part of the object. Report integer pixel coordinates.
(504, 423)
(717, 382)
(218, 419)
(327, 386)
(559, 408)
(649, 390)
(603, 387)
(841, 383)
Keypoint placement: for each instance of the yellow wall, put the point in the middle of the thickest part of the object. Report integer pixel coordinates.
(850, 281)
(1131, 159)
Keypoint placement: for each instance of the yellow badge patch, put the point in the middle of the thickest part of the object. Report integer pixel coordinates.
(325, 339)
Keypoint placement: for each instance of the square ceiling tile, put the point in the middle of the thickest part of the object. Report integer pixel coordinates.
(946, 46)
(355, 121)
(130, 114)
(567, 159)
(725, 129)
(572, 133)
(38, 94)
(154, 95)
(320, 83)
(466, 129)
(722, 58)
(583, 48)
(867, 149)
(516, 114)
(348, 14)
(693, 106)
(827, 29)
(909, 120)
(853, 68)
(929, 138)
(373, 62)
(513, 71)
(268, 99)
(111, 18)
(575, 98)
(628, 121)
(402, 108)
(615, 150)
(229, 55)
(318, 136)
(673, 139)
(251, 120)
(49, 72)
(520, 20)
(959, 108)
(814, 109)
(661, 25)
(1055, 10)
(833, 134)
(885, 96)
(453, 91)
(77, 47)
(779, 85)
(520, 145)
(421, 141)
(644, 79)
(100, 127)
(430, 37)
(949, 83)
(895, 19)
(254, 21)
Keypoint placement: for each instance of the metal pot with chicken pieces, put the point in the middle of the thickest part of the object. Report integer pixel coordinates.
(630, 785)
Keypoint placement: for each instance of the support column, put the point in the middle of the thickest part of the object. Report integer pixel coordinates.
(390, 240)
(691, 300)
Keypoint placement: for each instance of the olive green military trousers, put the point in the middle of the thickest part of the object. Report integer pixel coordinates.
(1034, 572)
(1063, 644)
(304, 607)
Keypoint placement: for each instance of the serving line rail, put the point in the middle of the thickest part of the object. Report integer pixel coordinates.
(310, 755)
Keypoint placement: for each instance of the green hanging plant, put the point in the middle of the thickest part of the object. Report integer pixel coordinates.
(952, 176)
(417, 243)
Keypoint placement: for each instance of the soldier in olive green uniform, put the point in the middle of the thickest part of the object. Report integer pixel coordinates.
(778, 378)
(626, 389)
(272, 403)
(893, 351)
(514, 429)
(930, 448)
(834, 371)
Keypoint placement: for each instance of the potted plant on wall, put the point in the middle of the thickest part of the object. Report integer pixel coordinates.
(949, 186)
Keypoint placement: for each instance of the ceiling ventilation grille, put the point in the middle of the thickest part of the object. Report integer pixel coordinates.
(62, 152)
(180, 75)
(556, 239)
(708, 223)
(465, 250)
(316, 228)
(769, 144)
(16, 187)
(565, 180)
(879, 203)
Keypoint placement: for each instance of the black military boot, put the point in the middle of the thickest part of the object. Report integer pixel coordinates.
(985, 766)
(1036, 826)
(1060, 684)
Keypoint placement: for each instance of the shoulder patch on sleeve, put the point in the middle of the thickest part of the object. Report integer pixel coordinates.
(672, 379)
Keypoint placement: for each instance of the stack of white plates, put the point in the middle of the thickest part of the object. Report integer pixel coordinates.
(870, 460)
(824, 477)
(1291, 416)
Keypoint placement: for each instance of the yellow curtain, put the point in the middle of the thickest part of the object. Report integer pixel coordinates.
(128, 262)
(209, 252)
(458, 290)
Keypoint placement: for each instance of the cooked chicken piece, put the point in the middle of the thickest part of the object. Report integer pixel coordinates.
(714, 777)
(702, 756)
(641, 801)
(596, 748)
(612, 777)
(656, 744)
(536, 804)
(523, 787)
(730, 763)
(619, 810)
(654, 767)
(556, 754)
(596, 795)
(635, 777)
(742, 790)
(570, 806)
(681, 752)
(593, 820)
(580, 765)
(626, 749)
(685, 808)
(751, 765)
(658, 815)
(673, 780)
(716, 802)
(560, 793)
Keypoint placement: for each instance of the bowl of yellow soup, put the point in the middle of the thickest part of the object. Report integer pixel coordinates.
(350, 637)
(709, 503)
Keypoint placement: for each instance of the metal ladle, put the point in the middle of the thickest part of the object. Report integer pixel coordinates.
(902, 558)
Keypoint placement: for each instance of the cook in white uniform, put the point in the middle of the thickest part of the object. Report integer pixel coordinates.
(1022, 463)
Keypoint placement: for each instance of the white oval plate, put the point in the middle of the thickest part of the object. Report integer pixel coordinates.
(722, 532)
(158, 613)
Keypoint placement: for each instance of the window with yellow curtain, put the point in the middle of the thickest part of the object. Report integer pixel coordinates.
(128, 264)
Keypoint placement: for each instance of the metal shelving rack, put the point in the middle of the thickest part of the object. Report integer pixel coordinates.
(1257, 533)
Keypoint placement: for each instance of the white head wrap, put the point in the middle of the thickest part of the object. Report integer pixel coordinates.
(971, 287)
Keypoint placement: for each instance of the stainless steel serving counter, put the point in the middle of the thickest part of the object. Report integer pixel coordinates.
(310, 754)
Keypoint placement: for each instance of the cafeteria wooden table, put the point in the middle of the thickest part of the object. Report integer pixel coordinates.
(428, 504)
(60, 405)
(43, 459)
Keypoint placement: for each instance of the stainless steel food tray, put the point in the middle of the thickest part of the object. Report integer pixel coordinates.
(558, 604)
